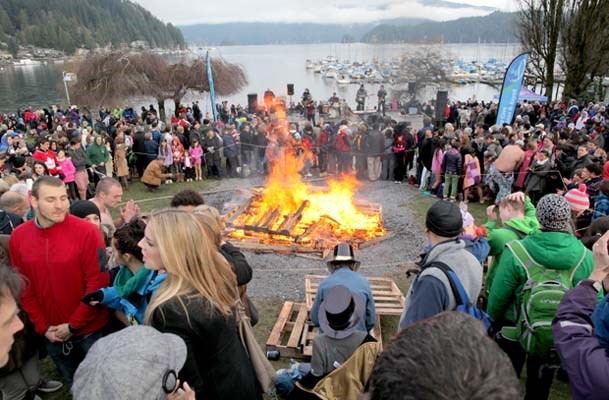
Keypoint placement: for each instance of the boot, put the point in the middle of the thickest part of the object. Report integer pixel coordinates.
(180, 177)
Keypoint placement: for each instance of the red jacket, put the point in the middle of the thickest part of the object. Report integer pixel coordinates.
(50, 160)
(61, 263)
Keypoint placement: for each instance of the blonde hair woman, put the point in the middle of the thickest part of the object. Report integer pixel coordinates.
(196, 302)
(210, 217)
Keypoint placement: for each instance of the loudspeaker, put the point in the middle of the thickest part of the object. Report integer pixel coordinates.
(441, 101)
(411, 87)
(252, 102)
(290, 89)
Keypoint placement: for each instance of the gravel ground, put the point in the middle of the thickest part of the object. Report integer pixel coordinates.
(283, 275)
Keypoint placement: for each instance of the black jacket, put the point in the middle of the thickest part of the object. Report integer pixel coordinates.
(426, 153)
(217, 366)
(236, 259)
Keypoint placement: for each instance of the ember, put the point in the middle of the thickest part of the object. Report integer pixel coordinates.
(292, 216)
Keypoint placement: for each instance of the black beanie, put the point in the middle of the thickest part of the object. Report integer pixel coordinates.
(444, 219)
(82, 208)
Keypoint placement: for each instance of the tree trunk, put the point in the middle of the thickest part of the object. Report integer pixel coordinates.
(162, 114)
(549, 82)
(176, 103)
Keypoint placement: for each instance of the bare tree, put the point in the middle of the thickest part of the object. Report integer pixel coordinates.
(112, 78)
(423, 70)
(584, 45)
(538, 29)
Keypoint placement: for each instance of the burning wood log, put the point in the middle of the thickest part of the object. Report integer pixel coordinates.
(288, 224)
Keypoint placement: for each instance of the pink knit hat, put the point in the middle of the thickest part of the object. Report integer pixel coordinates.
(578, 199)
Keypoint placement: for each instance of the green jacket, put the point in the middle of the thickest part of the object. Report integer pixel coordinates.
(555, 250)
(97, 154)
(499, 237)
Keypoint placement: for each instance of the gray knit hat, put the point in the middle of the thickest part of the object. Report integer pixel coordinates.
(554, 213)
(129, 364)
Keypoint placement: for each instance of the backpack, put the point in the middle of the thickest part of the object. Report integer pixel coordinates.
(541, 296)
(462, 300)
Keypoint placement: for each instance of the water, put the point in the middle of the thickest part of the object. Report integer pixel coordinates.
(268, 66)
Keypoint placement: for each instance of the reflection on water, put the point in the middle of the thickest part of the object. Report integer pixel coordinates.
(269, 66)
(35, 85)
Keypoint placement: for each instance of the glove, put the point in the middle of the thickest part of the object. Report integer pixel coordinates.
(98, 295)
(61, 176)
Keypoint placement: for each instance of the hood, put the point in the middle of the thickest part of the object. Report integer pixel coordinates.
(556, 250)
(524, 225)
(440, 249)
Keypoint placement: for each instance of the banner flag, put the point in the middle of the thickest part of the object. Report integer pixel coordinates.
(510, 90)
(210, 79)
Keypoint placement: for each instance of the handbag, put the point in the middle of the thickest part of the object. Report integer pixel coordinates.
(262, 366)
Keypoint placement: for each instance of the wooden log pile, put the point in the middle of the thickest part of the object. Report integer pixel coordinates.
(274, 232)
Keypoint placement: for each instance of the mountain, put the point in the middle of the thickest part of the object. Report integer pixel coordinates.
(495, 27)
(69, 24)
(253, 33)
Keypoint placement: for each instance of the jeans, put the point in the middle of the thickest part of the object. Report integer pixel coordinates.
(424, 178)
(451, 184)
(387, 167)
(68, 355)
(540, 372)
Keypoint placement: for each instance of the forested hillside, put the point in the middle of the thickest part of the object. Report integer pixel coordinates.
(69, 24)
(495, 27)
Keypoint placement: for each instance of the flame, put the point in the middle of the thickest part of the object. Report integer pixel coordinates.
(330, 215)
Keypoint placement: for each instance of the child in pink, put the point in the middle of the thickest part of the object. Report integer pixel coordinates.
(196, 152)
(69, 171)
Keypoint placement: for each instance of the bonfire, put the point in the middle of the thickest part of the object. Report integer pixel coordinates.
(291, 215)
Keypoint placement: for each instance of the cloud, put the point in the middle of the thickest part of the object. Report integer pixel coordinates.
(185, 12)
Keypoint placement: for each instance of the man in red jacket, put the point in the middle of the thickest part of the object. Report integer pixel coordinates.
(45, 154)
(62, 258)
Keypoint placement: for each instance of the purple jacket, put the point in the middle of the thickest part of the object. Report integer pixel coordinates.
(583, 358)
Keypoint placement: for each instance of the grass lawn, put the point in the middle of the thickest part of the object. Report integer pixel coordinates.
(149, 201)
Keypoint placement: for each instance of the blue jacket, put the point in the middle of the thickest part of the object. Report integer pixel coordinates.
(600, 319)
(230, 149)
(152, 149)
(452, 162)
(358, 285)
(601, 206)
(134, 313)
(479, 247)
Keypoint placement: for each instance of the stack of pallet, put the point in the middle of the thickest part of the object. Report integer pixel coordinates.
(293, 332)
(278, 232)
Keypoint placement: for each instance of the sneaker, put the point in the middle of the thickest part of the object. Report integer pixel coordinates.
(397, 182)
(49, 386)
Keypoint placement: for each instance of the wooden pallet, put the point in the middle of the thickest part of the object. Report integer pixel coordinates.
(277, 232)
(294, 332)
(287, 332)
(388, 299)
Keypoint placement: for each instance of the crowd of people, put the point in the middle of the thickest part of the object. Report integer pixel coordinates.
(147, 305)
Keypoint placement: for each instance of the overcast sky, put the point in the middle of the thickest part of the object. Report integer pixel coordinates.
(185, 12)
